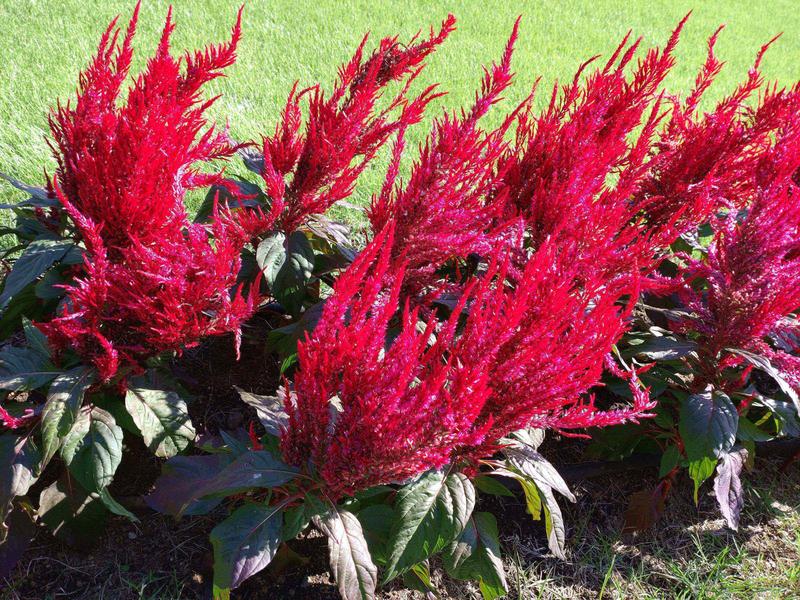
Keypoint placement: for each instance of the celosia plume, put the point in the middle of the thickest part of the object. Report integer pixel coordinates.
(306, 172)
(380, 396)
(704, 162)
(153, 281)
(447, 209)
(572, 169)
(749, 279)
(363, 413)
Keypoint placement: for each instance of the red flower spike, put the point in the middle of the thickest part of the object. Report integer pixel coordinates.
(448, 209)
(152, 280)
(365, 414)
(307, 172)
(752, 268)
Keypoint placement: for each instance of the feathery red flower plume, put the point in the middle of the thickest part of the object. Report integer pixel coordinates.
(153, 281)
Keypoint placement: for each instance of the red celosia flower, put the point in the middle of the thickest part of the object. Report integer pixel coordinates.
(448, 207)
(749, 280)
(153, 281)
(363, 413)
(705, 162)
(343, 131)
(572, 170)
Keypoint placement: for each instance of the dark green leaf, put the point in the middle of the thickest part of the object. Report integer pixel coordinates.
(431, 511)
(161, 416)
(24, 304)
(750, 432)
(295, 522)
(271, 256)
(785, 413)
(72, 514)
(48, 287)
(245, 543)
(669, 460)
(254, 469)
(115, 507)
(663, 347)
(181, 476)
(290, 281)
(284, 339)
(269, 409)
(93, 448)
(225, 199)
(476, 555)
(351, 564)
(18, 460)
(376, 520)
(24, 369)
(39, 256)
(615, 443)
(708, 425)
(490, 485)
(236, 442)
(64, 400)
(37, 341)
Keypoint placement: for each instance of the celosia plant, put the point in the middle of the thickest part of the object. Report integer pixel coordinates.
(132, 278)
(154, 281)
(312, 162)
(398, 383)
(494, 298)
(727, 326)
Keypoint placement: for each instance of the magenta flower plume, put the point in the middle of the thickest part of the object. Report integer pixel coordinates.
(152, 281)
(311, 163)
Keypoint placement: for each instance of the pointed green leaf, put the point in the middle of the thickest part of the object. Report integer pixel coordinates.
(181, 477)
(37, 341)
(72, 514)
(161, 416)
(24, 369)
(253, 469)
(669, 460)
(271, 256)
(431, 512)
(290, 281)
(490, 485)
(245, 543)
(64, 400)
(708, 425)
(18, 460)
(351, 564)
(39, 256)
(269, 409)
(93, 448)
(476, 555)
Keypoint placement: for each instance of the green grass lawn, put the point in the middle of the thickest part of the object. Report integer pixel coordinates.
(46, 42)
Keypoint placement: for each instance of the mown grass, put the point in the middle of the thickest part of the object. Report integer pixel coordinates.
(47, 42)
